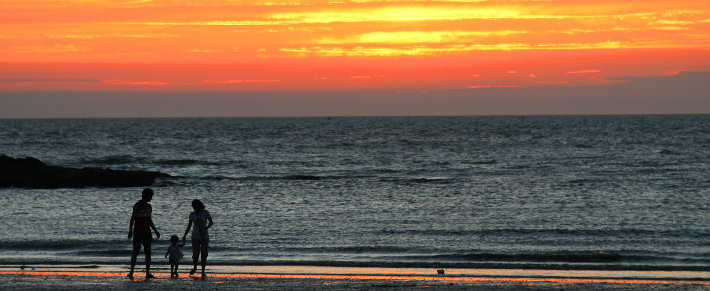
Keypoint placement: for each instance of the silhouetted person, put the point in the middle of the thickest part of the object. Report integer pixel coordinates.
(200, 236)
(175, 255)
(140, 232)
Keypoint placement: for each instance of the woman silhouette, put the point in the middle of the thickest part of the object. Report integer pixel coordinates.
(200, 236)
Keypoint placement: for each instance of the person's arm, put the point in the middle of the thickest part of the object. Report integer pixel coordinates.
(130, 224)
(189, 225)
(157, 234)
(166, 254)
(210, 223)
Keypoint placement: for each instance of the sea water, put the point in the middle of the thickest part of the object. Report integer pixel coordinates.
(505, 192)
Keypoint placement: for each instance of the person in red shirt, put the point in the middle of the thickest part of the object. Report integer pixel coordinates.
(139, 230)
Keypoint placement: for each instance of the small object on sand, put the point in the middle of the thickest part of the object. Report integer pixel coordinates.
(441, 272)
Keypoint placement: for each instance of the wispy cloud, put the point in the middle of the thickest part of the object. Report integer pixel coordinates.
(123, 82)
(553, 83)
(200, 51)
(49, 81)
(584, 72)
(51, 49)
(91, 36)
(411, 37)
(242, 81)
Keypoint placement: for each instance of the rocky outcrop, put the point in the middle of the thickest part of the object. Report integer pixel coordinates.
(33, 173)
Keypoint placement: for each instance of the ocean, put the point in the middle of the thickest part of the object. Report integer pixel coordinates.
(497, 192)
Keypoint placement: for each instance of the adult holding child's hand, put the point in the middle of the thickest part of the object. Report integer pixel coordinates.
(139, 230)
(200, 236)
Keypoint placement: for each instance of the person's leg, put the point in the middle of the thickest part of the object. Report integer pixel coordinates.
(204, 246)
(195, 254)
(172, 268)
(147, 241)
(134, 255)
(177, 264)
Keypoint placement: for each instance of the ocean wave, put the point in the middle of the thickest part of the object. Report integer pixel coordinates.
(307, 177)
(584, 181)
(605, 232)
(598, 257)
(528, 261)
(302, 177)
(387, 171)
(127, 160)
(38, 246)
(114, 160)
(177, 162)
(432, 180)
(285, 177)
(481, 162)
(107, 253)
(668, 152)
(275, 178)
(350, 250)
(422, 180)
(70, 244)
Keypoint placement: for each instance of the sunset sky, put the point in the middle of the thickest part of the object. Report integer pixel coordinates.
(178, 58)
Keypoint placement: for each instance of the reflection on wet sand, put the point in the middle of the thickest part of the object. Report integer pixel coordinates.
(384, 277)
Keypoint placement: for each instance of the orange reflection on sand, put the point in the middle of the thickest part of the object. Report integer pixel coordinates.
(459, 279)
(386, 277)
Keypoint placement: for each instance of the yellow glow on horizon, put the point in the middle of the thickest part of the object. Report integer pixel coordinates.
(414, 13)
(430, 51)
(403, 37)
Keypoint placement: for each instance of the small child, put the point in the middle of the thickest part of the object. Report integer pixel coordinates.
(175, 255)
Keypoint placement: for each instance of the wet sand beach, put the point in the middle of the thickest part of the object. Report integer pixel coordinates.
(114, 280)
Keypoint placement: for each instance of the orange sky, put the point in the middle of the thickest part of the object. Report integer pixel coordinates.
(340, 45)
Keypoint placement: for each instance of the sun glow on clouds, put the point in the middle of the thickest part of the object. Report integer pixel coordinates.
(394, 43)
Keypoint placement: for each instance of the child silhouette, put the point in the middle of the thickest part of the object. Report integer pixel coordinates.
(175, 255)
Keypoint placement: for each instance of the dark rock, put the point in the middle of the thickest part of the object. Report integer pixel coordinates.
(33, 173)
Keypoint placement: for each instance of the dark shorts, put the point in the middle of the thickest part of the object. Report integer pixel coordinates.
(142, 239)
